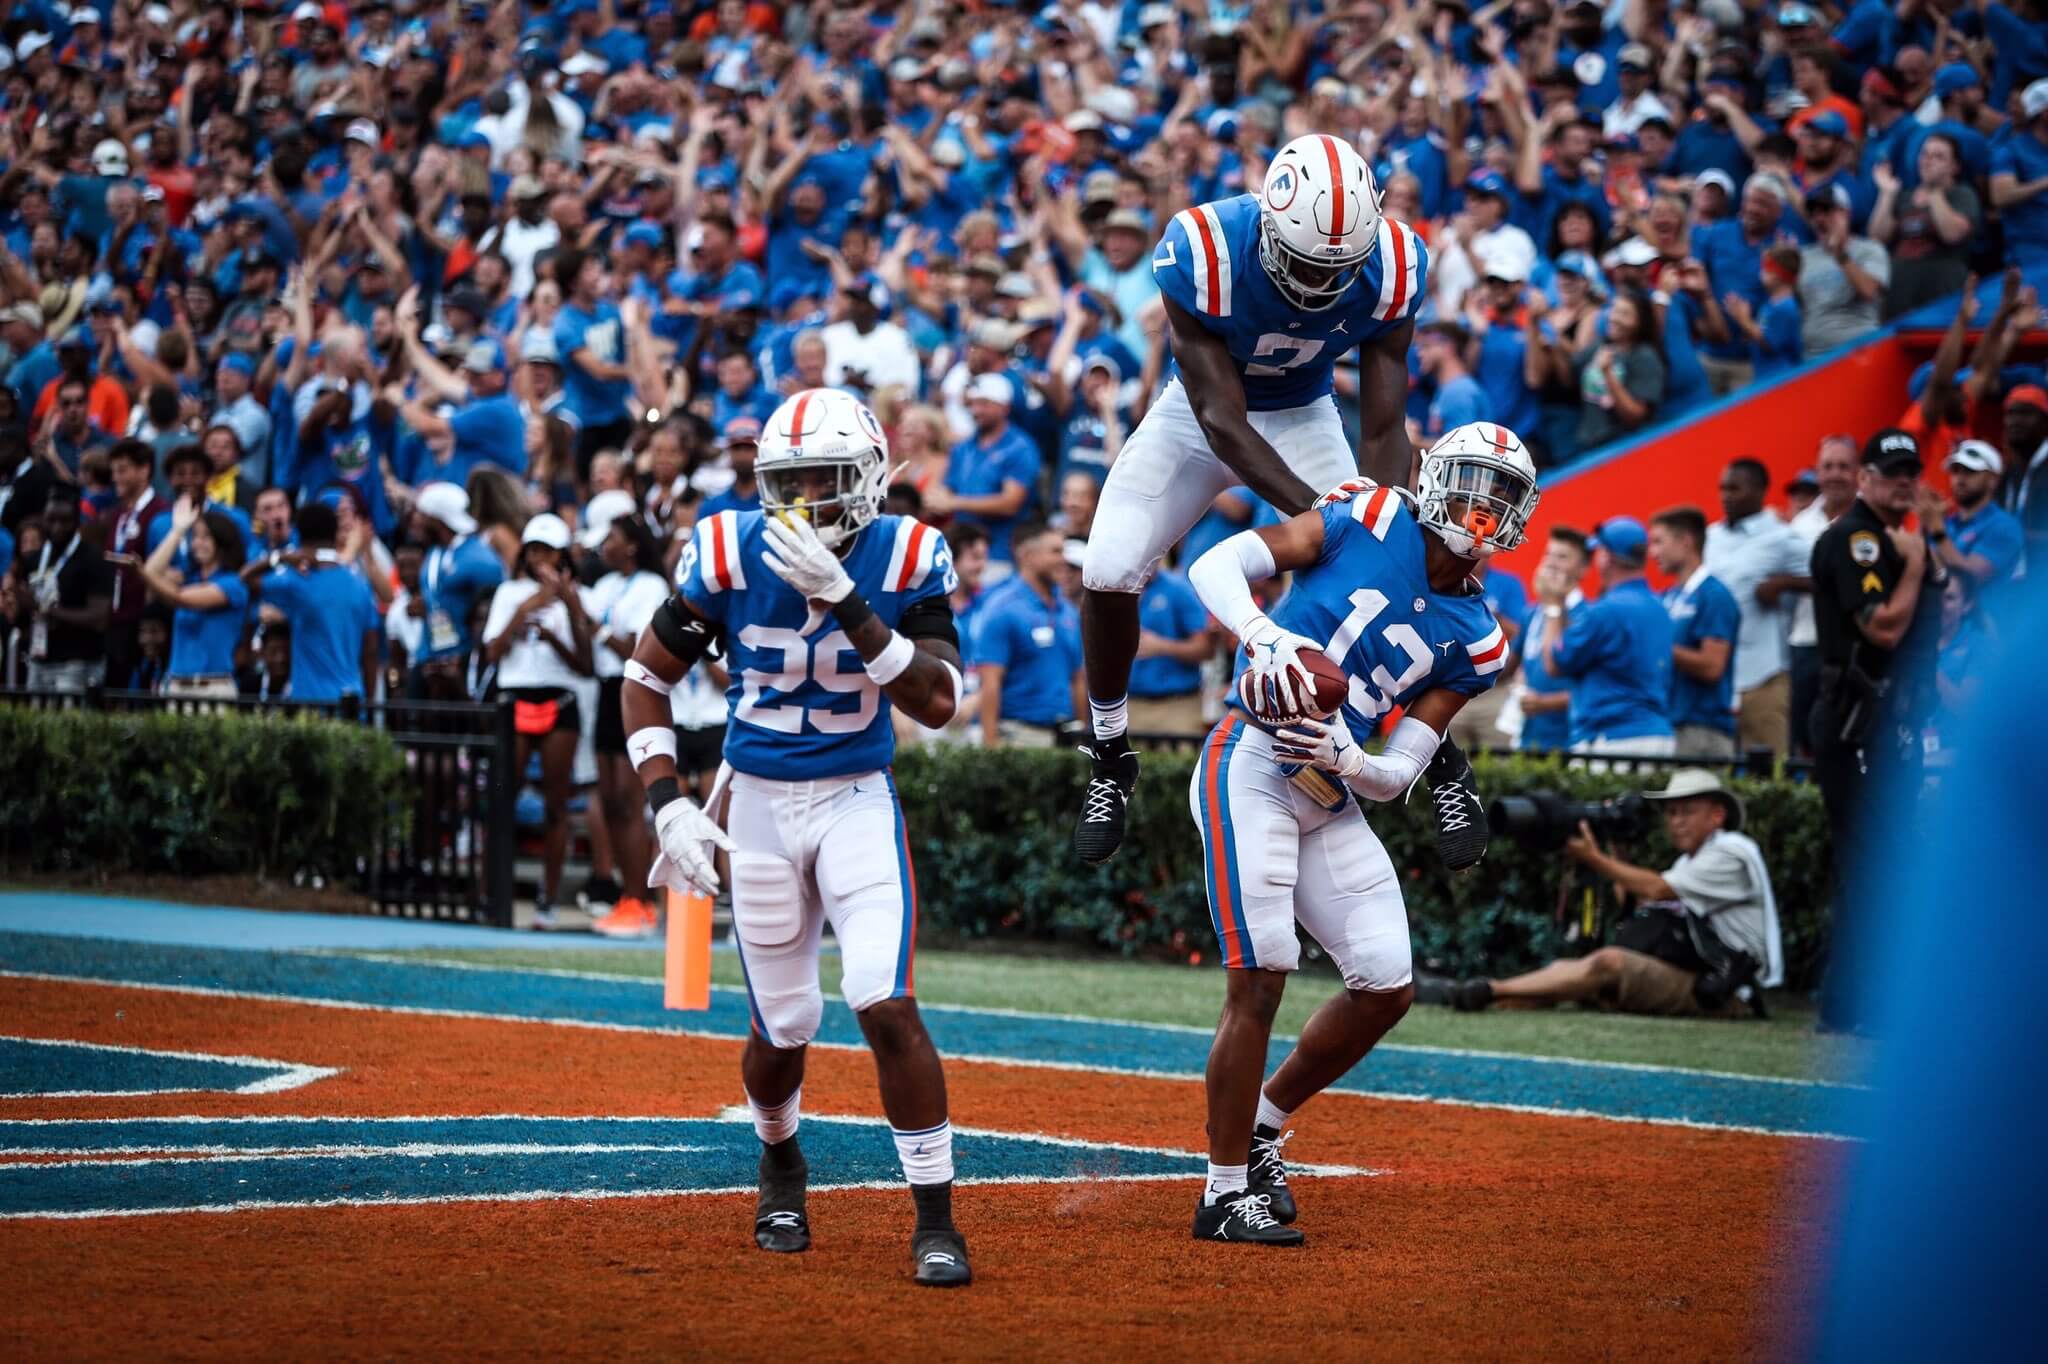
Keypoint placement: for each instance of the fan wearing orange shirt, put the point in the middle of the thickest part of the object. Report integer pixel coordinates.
(106, 401)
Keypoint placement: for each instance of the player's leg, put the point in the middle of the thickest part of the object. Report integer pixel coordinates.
(869, 892)
(1349, 899)
(557, 775)
(1245, 812)
(776, 928)
(1158, 488)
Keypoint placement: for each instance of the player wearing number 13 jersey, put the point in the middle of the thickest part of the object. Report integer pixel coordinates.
(1388, 595)
(830, 614)
(1264, 294)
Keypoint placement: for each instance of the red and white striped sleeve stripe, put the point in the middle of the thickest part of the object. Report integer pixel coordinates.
(1208, 259)
(1489, 655)
(718, 552)
(1400, 257)
(1376, 511)
(910, 559)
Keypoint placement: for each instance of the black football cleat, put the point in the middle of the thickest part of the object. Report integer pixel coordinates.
(779, 1221)
(1246, 1218)
(1100, 830)
(1268, 1173)
(1472, 996)
(1461, 830)
(941, 1258)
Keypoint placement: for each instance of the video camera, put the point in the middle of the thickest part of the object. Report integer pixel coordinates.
(1546, 819)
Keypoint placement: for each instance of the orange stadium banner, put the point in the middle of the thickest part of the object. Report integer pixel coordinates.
(1781, 424)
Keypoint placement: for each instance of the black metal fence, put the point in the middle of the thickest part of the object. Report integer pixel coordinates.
(452, 857)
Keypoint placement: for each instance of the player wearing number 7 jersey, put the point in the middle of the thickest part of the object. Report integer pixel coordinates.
(1388, 595)
(1264, 294)
(830, 613)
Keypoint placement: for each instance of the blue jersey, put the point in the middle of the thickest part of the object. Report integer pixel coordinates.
(1208, 263)
(801, 705)
(1394, 635)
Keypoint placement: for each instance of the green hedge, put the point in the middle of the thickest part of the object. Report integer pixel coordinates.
(191, 794)
(989, 833)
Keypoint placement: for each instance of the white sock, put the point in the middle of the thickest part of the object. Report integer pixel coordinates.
(1270, 1116)
(1223, 1179)
(927, 1156)
(1109, 719)
(777, 1124)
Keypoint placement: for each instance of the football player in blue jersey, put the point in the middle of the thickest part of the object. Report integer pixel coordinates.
(1264, 293)
(830, 613)
(1390, 595)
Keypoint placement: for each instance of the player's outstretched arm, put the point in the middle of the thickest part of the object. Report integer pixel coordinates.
(1216, 392)
(1385, 454)
(917, 667)
(1276, 680)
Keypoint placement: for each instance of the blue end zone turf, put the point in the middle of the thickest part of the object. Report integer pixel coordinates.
(1598, 1089)
(30, 1067)
(268, 1162)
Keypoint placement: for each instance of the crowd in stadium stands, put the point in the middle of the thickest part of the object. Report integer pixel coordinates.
(339, 340)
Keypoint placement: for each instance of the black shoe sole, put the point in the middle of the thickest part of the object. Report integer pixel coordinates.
(1288, 1237)
(957, 1274)
(780, 1242)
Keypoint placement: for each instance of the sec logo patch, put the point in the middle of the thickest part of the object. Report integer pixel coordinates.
(1863, 548)
(1281, 189)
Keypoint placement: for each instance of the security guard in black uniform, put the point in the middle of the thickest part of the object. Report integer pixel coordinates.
(1877, 609)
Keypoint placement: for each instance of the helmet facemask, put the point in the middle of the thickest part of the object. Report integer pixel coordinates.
(1477, 506)
(1311, 285)
(859, 484)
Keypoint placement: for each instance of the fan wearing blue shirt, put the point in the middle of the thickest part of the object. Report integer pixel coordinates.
(1617, 653)
(992, 476)
(590, 336)
(1980, 540)
(460, 568)
(1545, 697)
(1590, 50)
(1027, 647)
(2019, 181)
(489, 428)
(1173, 641)
(1570, 176)
(331, 612)
(740, 440)
(1459, 399)
(1704, 622)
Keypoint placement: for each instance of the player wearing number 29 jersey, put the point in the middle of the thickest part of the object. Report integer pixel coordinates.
(831, 614)
(802, 708)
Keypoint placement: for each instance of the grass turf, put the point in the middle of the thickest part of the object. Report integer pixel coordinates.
(1143, 992)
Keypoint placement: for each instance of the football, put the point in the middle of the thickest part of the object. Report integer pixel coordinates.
(1332, 686)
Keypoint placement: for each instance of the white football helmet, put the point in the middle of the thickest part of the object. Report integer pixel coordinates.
(824, 429)
(1477, 489)
(1319, 219)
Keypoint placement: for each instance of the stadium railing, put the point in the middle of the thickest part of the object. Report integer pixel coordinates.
(453, 858)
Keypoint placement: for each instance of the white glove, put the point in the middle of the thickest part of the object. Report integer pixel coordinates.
(796, 555)
(1324, 744)
(1277, 684)
(1345, 491)
(686, 836)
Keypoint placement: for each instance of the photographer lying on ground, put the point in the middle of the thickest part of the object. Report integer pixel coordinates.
(1706, 928)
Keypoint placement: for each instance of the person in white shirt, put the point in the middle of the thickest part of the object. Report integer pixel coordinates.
(1758, 558)
(1480, 233)
(619, 606)
(863, 351)
(1706, 932)
(1835, 472)
(1634, 66)
(524, 235)
(538, 636)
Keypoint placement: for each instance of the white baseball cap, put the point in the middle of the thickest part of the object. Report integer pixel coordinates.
(993, 388)
(361, 130)
(546, 529)
(2033, 99)
(1976, 456)
(448, 504)
(30, 44)
(607, 507)
(109, 157)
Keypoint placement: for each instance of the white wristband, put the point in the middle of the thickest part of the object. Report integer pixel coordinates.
(653, 741)
(889, 664)
(636, 671)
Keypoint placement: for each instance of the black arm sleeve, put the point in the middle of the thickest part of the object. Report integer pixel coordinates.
(685, 634)
(931, 618)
